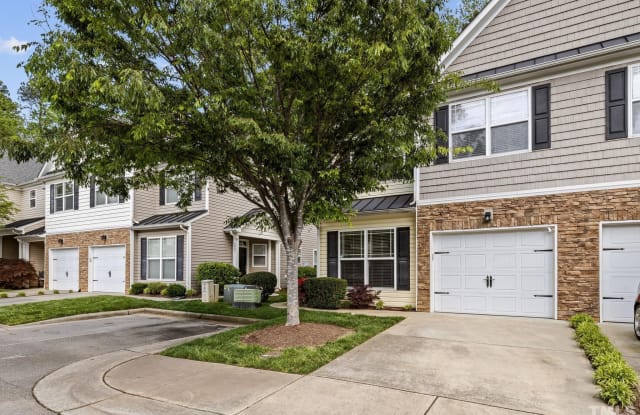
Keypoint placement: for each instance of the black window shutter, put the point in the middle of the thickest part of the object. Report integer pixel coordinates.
(616, 103)
(76, 194)
(143, 258)
(121, 199)
(180, 258)
(541, 117)
(332, 254)
(441, 118)
(403, 257)
(52, 198)
(162, 195)
(197, 194)
(92, 193)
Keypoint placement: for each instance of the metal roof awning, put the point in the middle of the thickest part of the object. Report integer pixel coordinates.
(383, 203)
(168, 220)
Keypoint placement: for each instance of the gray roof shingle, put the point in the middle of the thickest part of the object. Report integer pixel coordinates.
(17, 173)
(22, 222)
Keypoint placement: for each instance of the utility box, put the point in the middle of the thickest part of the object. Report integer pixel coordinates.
(247, 297)
(230, 288)
(209, 291)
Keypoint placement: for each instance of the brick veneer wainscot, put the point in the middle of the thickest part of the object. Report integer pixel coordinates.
(577, 216)
(84, 240)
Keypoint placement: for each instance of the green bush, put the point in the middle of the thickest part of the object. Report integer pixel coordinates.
(164, 293)
(22, 294)
(191, 293)
(175, 290)
(324, 292)
(307, 272)
(616, 379)
(265, 280)
(137, 288)
(155, 288)
(40, 292)
(4, 295)
(220, 272)
(56, 291)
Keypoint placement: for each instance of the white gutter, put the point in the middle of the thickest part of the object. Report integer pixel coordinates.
(187, 259)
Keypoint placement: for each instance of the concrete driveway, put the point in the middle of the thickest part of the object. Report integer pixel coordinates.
(27, 353)
(622, 336)
(477, 364)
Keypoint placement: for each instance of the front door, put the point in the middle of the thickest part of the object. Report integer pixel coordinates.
(243, 257)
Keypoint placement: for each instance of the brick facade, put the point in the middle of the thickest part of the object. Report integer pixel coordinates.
(577, 216)
(84, 240)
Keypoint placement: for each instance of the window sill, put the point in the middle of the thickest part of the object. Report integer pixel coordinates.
(492, 156)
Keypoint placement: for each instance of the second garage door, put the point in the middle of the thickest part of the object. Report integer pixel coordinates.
(497, 272)
(108, 269)
(64, 269)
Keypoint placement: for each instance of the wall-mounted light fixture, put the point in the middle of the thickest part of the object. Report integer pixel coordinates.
(103, 237)
(488, 215)
(60, 241)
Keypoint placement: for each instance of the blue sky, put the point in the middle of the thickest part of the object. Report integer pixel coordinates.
(15, 29)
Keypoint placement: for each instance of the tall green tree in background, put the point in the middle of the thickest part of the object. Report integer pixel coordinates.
(467, 11)
(298, 105)
(10, 128)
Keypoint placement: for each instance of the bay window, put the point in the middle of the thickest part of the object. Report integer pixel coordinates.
(489, 126)
(368, 258)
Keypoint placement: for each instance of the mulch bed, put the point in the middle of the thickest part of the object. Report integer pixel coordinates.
(304, 334)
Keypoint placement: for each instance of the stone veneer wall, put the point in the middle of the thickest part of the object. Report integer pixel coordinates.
(84, 240)
(577, 216)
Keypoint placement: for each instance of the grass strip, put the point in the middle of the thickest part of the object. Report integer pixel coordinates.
(45, 310)
(617, 380)
(228, 348)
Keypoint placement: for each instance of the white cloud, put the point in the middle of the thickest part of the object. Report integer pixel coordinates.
(7, 45)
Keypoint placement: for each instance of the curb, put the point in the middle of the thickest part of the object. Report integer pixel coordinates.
(156, 311)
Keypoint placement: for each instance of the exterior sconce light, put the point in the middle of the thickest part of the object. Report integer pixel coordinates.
(103, 237)
(488, 215)
(61, 241)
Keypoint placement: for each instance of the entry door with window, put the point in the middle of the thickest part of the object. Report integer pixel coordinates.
(242, 257)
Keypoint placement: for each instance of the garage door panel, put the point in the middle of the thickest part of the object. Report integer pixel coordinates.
(504, 305)
(504, 240)
(452, 262)
(474, 304)
(475, 262)
(109, 268)
(449, 303)
(620, 271)
(474, 241)
(65, 269)
(537, 306)
(474, 282)
(502, 282)
(451, 282)
(535, 283)
(504, 260)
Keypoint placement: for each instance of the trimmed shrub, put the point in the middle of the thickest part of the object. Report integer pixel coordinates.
(324, 292)
(191, 293)
(21, 294)
(307, 272)
(265, 280)
(137, 288)
(40, 292)
(155, 288)
(17, 274)
(164, 293)
(220, 272)
(361, 296)
(4, 295)
(617, 380)
(175, 290)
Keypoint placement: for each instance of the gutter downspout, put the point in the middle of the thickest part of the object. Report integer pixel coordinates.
(188, 255)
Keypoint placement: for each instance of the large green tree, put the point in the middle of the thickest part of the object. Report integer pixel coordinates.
(10, 127)
(298, 105)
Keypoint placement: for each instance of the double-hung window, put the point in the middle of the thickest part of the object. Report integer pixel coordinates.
(103, 199)
(259, 255)
(32, 198)
(635, 100)
(368, 258)
(171, 195)
(489, 126)
(63, 196)
(161, 258)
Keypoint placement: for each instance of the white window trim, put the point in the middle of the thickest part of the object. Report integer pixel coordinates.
(33, 197)
(107, 203)
(488, 125)
(166, 199)
(366, 258)
(253, 256)
(64, 195)
(161, 258)
(630, 101)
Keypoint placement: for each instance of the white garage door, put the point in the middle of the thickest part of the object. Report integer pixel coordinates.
(64, 269)
(620, 271)
(499, 272)
(108, 269)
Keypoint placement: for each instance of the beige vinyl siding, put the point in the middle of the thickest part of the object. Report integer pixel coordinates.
(390, 297)
(147, 203)
(391, 188)
(579, 153)
(26, 211)
(36, 255)
(527, 29)
(156, 234)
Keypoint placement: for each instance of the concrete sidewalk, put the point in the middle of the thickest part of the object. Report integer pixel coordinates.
(434, 364)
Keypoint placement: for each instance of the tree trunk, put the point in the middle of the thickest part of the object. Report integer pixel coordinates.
(293, 312)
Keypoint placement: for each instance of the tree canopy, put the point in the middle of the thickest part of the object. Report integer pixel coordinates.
(299, 105)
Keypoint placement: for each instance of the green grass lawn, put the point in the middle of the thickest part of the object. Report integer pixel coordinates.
(228, 348)
(45, 310)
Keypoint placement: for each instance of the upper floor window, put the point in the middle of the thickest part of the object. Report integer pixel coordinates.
(63, 197)
(171, 195)
(488, 126)
(103, 199)
(32, 198)
(635, 100)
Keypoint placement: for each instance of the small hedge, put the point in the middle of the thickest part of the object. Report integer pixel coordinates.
(220, 272)
(175, 290)
(265, 280)
(324, 292)
(307, 272)
(137, 288)
(617, 380)
(154, 288)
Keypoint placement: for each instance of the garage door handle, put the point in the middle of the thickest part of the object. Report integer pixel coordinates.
(543, 295)
(441, 292)
(613, 298)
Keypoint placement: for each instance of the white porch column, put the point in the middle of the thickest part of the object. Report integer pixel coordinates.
(235, 250)
(269, 256)
(277, 270)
